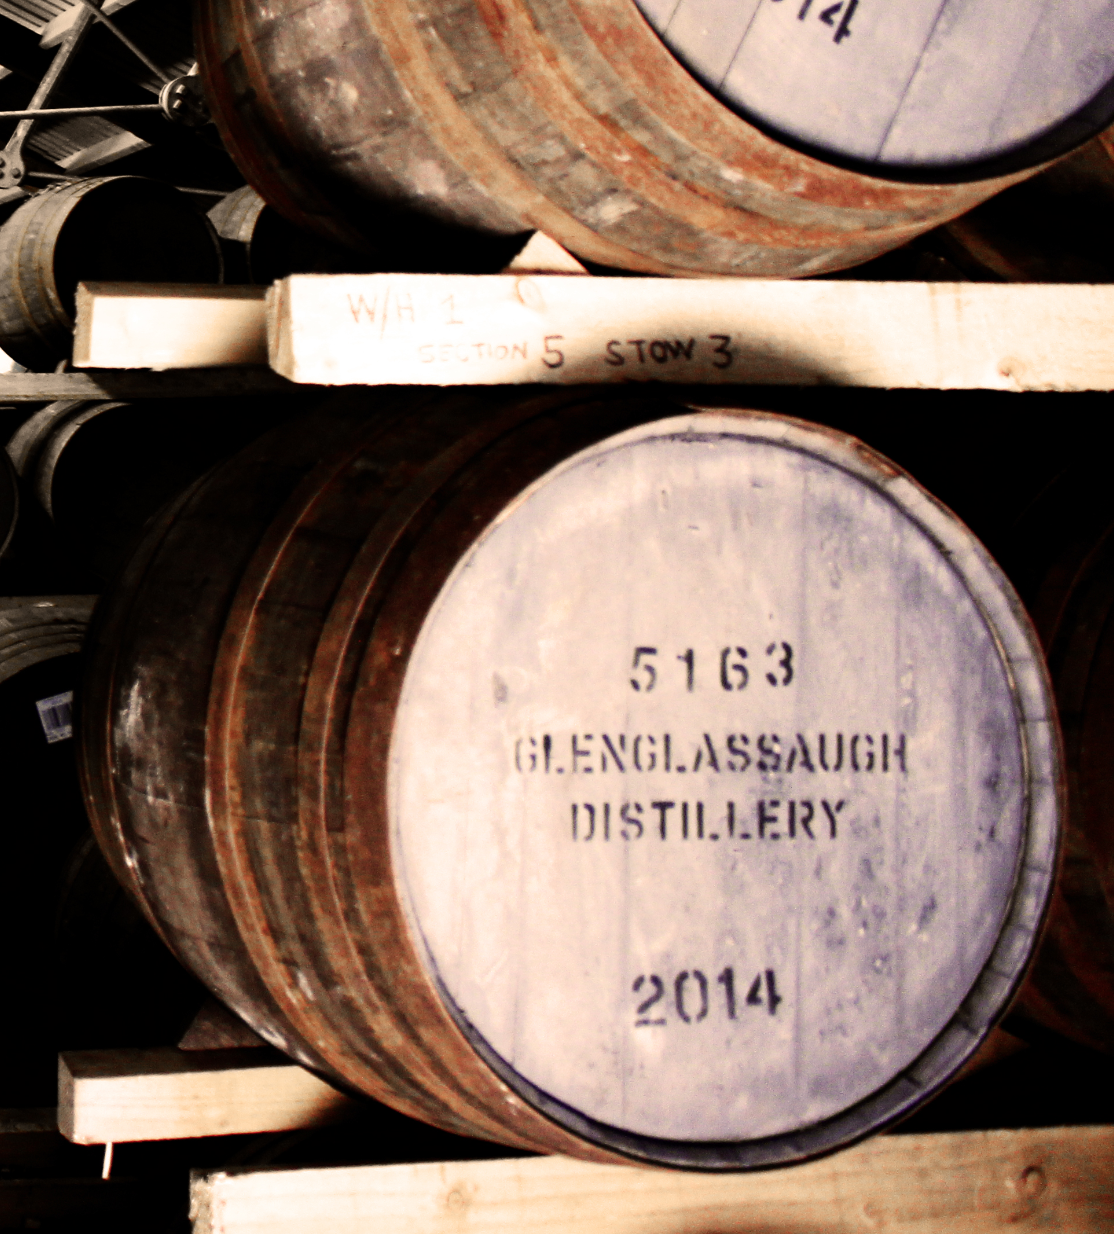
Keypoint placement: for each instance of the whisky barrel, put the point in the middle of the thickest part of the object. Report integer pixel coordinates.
(594, 775)
(260, 246)
(124, 228)
(40, 644)
(575, 118)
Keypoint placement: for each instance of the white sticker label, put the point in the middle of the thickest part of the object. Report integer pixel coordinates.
(56, 714)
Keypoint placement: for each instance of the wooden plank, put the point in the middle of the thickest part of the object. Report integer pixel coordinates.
(166, 325)
(734, 916)
(114, 1096)
(924, 82)
(978, 1182)
(132, 384)
(464, 330)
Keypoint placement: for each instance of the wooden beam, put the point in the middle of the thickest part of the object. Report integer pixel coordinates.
(114, 384)
(467, 329)
(168, 325)
(978, 1182)
(114, 1096)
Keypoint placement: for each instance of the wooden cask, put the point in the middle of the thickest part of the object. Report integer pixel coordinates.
(595, 775)
(573, 117)
(110, 228)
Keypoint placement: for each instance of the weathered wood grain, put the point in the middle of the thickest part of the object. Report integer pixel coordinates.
(115, 1096)
(983, 1182)
(757, 804)
(160, 326)
(444, 330)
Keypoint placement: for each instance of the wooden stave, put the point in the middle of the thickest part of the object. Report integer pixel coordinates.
(709, 193)
(227, 714)
(38, 628)
(35, 322)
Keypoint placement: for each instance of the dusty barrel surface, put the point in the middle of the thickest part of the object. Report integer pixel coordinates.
(604, 777)
(574, 117)
(110, 228)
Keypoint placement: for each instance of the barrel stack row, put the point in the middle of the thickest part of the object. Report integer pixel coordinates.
(586, 772)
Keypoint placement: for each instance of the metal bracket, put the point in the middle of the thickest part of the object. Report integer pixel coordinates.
(183, 102)
(12, 166)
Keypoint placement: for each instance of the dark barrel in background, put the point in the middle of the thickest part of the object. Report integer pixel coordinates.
(82, 968)
(1062, 557)
(576, 118)
(446, 737)
(260, 246)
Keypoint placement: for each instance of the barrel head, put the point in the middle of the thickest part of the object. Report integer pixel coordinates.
(722, 792)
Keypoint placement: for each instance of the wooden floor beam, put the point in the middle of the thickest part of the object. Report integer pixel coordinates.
(983, 1182)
